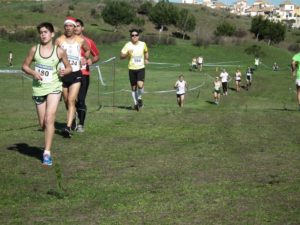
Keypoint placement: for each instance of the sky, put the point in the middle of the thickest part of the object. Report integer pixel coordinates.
(250, 2)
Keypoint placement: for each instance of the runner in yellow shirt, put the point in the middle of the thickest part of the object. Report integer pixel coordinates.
(137, 53)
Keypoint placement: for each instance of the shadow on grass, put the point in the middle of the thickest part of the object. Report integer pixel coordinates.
(284, 110)
(58, 129)
(111, 106)
(211, 102)
(25, 149)
(125, 107)
(21, 128)
(233, 89)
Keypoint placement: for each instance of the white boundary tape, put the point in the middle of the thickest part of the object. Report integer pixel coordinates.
(11, 71)
(159, 92)
(166, 65)
(15, 72)
(100, 75)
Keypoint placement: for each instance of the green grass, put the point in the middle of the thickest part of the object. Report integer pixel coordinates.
(236, 163)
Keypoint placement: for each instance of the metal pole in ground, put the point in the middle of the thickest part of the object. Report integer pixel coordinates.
(114, 82)
(99, 105)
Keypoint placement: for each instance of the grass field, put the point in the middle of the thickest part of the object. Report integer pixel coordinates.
(235, 163)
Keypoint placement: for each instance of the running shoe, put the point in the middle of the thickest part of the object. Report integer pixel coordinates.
(80, 129)
(140, 103)
(67, 132)
(136, 107)
(47, 160)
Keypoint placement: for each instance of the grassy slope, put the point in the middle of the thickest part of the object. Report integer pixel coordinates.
(233, 163)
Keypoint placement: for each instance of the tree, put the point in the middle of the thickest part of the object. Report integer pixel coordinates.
(274, 32)
(163, 14)
(258, 25)
(145, 8)
(264, 29)
(186, 22)
(225, 29)
(117, 13)
(255, 50)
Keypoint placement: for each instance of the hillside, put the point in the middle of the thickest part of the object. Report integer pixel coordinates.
(18, 14)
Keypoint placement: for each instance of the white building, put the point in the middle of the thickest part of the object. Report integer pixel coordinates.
(240, 8)
(287, 10)
(210, 3)
(189, 1)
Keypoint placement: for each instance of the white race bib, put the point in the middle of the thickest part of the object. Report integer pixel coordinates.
(46, 72)
(138, 60)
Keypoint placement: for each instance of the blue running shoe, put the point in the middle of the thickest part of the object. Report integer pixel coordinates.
(47, 160)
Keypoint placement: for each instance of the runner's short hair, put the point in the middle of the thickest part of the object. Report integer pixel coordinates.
(80, 21)
(134, 30)
(47, 25)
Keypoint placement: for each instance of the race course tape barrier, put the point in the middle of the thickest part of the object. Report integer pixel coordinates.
(15, 72)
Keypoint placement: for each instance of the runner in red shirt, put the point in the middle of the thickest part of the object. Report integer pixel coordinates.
(81, 106)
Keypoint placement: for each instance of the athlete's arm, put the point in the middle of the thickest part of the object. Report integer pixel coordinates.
(125, 52)
(124, 55)
(293, 68)
(95, 53)
(86, 48)
(27, 62)
(67, 67)
(146, 55)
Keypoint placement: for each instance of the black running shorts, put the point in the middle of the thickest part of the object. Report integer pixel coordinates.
(136, 75)
(71, 78)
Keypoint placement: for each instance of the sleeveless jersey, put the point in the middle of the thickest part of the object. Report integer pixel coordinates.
(136, 60)
(238, 75)
(47, 67)
(217, 85)
(181, 86)
(73, 50)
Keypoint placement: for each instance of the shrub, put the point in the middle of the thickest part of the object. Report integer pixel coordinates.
(152, 40)
(94, 14)
(104, 38)
(255, 50)
(200, 41)
(225, 29)
(178, 34)
(71, 7)
(240, 33)
(294, 47)
(3, 32)
(38, 8)
(139, 22)
(24, 36)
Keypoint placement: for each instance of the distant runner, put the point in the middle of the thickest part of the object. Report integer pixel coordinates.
(181, 88)
(217, 90)
(238, 79)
